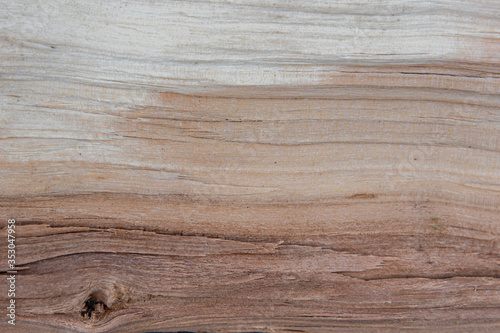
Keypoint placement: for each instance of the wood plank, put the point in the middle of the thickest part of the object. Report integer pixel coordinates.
(215, 166)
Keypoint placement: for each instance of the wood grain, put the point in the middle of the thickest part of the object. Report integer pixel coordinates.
(222, 166)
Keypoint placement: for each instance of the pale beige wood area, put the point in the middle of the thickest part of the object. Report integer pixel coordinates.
(243, 166)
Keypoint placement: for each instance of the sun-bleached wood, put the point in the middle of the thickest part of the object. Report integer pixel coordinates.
(251, 165)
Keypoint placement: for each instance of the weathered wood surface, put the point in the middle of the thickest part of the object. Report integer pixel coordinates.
(251, 165)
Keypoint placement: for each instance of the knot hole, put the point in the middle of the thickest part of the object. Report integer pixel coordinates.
(95, 306)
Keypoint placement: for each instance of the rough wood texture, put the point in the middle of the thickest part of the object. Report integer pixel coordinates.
(251, 165)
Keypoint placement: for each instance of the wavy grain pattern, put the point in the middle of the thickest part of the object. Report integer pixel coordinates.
(285, 166)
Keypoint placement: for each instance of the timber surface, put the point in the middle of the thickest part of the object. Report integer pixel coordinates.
(280, 166)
